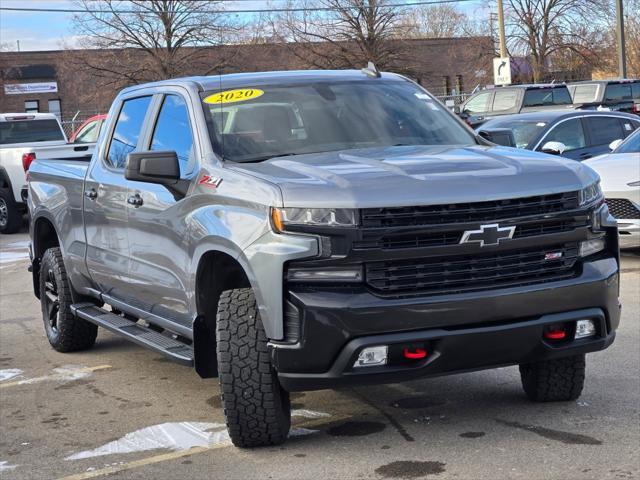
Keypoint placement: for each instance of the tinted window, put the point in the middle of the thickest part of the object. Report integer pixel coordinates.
(27, 131)
(631, 145)
(585, 93)
(89, 133)
(275, 120)
(604, 130)
(635, 90)
(539, 97)
(505, 100)
(127, 131)
(570, 133)
(617, 92)
(478, 103)
(173, 132)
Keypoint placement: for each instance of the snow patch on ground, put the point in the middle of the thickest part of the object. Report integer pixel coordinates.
(172, 436)
(5, 466)
(9, 373)
(14, 252)
(308, 413)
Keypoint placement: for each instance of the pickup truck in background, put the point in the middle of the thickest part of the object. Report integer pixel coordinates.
(621, 95)
(23, 138)
(291, 231)
(513, 99)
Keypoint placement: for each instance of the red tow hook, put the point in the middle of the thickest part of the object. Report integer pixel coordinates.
(555, 334)
(415, 354)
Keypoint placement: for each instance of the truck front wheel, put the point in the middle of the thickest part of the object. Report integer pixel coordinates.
(66, 333)
(555, 380)
(256, 407)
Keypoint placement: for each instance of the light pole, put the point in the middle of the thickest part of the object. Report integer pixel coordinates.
(503, 45)
(622, 61)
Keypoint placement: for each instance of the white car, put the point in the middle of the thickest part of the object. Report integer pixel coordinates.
(25, 137)
(620, 180)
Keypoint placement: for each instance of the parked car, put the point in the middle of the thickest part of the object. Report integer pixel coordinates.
(620, 180)
(614, 95)
(514, 99)
(577, 134)
(23, 138)
(89, 130)
(340, 228)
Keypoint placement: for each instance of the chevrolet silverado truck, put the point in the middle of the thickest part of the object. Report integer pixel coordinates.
(23, 137)
(292, 231)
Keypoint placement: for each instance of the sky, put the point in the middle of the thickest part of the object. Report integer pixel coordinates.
(54, 31)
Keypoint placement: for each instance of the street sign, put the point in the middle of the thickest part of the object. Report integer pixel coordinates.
(502, 71)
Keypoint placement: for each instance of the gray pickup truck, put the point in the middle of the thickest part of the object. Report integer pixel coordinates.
(293, 231)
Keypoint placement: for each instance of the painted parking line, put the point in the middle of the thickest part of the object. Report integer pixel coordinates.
(301, 427)
(67, 373)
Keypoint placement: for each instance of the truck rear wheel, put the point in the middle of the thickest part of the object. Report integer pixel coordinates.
(257, 409)
(10, 215)
(555, 380)
(66, 332)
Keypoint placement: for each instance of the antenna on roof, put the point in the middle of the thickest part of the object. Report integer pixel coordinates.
(371, 70)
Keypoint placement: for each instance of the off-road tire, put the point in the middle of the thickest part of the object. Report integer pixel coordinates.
(10, 214)
(257, 409)
(557, 380)
(66, 333)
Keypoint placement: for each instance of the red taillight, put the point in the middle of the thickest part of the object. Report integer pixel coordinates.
(27, 159)
(636, 108)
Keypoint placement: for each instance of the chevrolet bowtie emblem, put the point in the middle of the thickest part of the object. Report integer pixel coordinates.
(488, 235)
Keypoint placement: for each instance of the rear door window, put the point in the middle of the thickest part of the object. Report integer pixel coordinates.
(89, 133)
(617, 92)
(173, 132)
(540, 97)
(603, 130)
(127, 130)
(570, 133)
(29, 131)
(505, 100)
(635, 90)
(479, 103)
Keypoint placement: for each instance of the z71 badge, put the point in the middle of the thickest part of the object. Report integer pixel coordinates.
(210, 181)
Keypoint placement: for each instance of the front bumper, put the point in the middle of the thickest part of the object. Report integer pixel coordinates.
(466, 331)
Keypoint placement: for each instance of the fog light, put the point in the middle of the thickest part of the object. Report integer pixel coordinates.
(585, 328)
(372, 356)
(589, 247)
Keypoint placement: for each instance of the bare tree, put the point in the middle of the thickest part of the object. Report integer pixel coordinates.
(542, 28)
(345, 34)
(147, 40)
(435, 21)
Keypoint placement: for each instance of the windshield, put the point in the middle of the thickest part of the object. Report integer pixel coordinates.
(524, 132)
(254, 124)
(29, 131)
(630, 145)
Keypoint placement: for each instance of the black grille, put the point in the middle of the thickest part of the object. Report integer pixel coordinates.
(376, 240)
(469, 212)
(623, 208)
(440, 275)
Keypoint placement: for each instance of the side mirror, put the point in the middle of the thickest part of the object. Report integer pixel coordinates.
(615, 144)
(554, 148)
(153, 167)
(456, 109)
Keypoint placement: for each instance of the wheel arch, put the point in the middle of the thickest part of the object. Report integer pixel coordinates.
(43, 236)
(209, 285)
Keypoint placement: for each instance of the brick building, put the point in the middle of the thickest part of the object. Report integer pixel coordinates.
(53, 81)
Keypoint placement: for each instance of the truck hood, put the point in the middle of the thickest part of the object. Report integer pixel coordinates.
(417, 175)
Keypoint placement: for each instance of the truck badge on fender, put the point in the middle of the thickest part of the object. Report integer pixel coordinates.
(210, 181)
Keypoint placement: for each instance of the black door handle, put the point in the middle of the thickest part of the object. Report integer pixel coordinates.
(584, 156)
(135, 200)
(83, 148)
(91, 193)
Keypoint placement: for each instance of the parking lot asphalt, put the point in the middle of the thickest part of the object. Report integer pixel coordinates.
(120, 411)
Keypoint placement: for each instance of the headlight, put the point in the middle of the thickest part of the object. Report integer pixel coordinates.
(327, 217)
(591, 193)
(589, 247)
